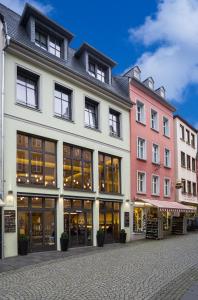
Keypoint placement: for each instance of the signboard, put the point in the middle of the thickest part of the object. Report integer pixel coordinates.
(126, 219)
(9, 221)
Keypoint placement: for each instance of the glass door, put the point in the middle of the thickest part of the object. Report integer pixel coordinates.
(36, 232)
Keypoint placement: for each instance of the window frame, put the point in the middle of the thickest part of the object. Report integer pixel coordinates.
(193, 164)
(188, 137)
(157, 186)
(169, 192)
(158, 154)
(91, 103)
(144, 149)
(156, 128)
(118, 123)
(98, 67)
(183, 165)
(189, 187)
(194, 189)
(192, 140)
(144, 183)
(183, 186)
(188, 162)
(69, 101)
(169, 164)
(165, 119)
(143, 119)
(182, 132)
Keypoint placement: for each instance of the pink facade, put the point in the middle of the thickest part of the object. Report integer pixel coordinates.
(151, 101)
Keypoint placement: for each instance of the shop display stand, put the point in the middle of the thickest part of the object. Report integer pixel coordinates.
(153, 229)
(179, 225)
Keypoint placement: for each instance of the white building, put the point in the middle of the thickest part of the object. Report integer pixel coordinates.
(185, 164)
(66, 137)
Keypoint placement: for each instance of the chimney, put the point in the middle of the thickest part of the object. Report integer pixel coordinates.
(149, 82)
(134, 72)
(161, 92)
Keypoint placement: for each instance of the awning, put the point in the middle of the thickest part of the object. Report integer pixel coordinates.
(169, 206)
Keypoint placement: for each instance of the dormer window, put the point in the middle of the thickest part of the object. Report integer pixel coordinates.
(97, 70)
(41, 40)
(55, 47)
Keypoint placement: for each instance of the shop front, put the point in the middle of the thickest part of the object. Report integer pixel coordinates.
(109, 220)
(78, 221)
(37, 219)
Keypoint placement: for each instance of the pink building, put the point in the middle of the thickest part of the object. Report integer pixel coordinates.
(152, 151)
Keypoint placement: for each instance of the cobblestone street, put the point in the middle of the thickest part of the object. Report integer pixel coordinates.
(141, 270)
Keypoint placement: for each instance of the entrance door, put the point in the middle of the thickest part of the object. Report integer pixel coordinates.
(36, 231)
(77, 228)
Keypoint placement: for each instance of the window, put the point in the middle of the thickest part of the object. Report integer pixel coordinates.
(155, 185)
(188, 162)
(140, 113)
(141, 148)
(109, 173)
(189, 187)
(192, 140)
(183, 186)
(155, 154)
(114, 122)
(193, 165)
(141, 182)
(194, 189)
(55, 46)
(183, 159)
(27, 88)
(167, 161)
(41, 40)
(77, 168)
(91, 113)
(182, 136)
(187, 136)
(62, 102)
(36, 161)
(166, 126)
(167, 187)
(154, 120)
(97, 70)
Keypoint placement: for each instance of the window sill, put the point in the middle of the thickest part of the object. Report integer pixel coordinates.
(141, 123)
(155, 195)
(167, 167)
(113, 194)
(115, 136)
(166, 136)
(142, 159)
(141, 193)
(167, 197)
(94, 129)
(156, 163)
(64, 119)
(155, 130)
(80, 191)
(183, 140)
(28, 107)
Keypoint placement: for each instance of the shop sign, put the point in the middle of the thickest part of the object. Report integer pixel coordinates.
(9, 221)
(126, 219)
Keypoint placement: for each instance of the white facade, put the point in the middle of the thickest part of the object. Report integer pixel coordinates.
(185, 161)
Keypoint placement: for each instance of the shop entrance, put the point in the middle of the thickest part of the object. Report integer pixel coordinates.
(37, 220)
(78, 222)
(139, 220)
(109, 220)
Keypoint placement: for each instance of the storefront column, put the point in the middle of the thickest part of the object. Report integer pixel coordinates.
(95, 220)
(59, 206)
(60, 220)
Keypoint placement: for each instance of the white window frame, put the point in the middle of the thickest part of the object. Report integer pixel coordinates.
(167, 196)
(144, 149)
(164, 131)
(143, 118)
(169, 165)
(144, 183)
(157, 187)
(158, 158)
(157, 120)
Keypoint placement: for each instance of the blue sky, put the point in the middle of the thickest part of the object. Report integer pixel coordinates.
(153, 33)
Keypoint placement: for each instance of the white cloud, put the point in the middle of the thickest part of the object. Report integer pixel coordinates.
(173, 32)
(18, 5)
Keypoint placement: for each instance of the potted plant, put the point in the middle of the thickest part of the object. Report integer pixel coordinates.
(23, 244)
(100, 238)
(123, 236)
(64, 241)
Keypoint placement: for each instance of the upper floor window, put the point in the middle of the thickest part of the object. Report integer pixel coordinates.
(36, 161)
(97, 70)
(91, 113)
(182, 134)
(167, 161)
(183, 186)
(155, 154)
(62, 102)
(192, 140)
(49, 43)
(27, 88)
(166, 130)
(55, 46)
(167, 187)
(41, 40)
(114, 122)
(141, 182)
(109, 173)
(78, 166)
(187, 136)
(193, 165)
(155, 185)
(183, 159)
(194, 189)
(140, 112)
(141, 148)
(188, 162)
(189, 187)
(154, 120)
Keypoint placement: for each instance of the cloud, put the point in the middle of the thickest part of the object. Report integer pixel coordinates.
(18, 5)
(173, 34)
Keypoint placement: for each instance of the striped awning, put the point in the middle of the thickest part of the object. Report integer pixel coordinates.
(171, 206)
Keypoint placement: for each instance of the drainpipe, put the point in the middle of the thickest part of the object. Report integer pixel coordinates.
(7, 41)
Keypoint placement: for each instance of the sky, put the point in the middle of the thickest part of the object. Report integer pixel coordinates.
(160, 36)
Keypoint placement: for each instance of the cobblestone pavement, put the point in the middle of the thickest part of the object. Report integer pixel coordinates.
(154, 270)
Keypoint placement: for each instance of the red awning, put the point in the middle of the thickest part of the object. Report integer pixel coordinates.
(170, 206)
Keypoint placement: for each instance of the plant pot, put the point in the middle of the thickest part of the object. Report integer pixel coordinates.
(123, 238)
(64, 244)
(23, 247)
(100, 240)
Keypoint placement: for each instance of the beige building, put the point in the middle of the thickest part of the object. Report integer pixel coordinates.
(185, 154)
(66, 138)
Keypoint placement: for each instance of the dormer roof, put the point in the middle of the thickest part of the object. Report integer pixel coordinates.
(29, 11)
(96, 53)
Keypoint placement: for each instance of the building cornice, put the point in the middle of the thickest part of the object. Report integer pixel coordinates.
(30, 55)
